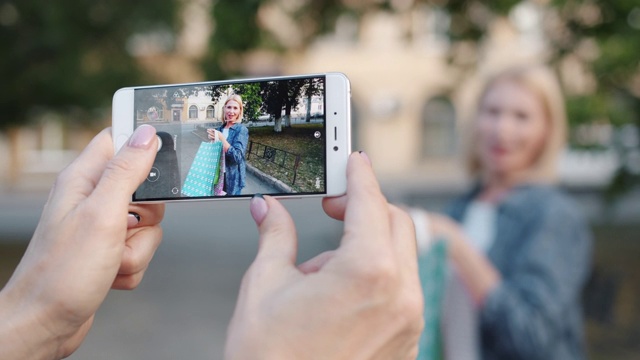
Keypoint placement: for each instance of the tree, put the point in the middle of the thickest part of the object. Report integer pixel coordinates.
(614, 28)
(70, 56)
(239, 31)
(252, 99)
(281, 95)
(292, 100)
(311, 89)
(274, 96)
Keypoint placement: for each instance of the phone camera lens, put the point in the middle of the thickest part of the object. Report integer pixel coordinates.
(335, 148)
(335, 113)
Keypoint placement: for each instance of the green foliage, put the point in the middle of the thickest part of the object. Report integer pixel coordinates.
(69, 56)
(236, 31)
(252, 99)
(614, 26)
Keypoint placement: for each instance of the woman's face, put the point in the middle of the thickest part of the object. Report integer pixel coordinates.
(512, 127)
(231, 111)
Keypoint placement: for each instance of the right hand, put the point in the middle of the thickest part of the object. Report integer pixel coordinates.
(211, 134)
(361, 301)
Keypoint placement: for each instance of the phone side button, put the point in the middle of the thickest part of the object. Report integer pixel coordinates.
(121, 140)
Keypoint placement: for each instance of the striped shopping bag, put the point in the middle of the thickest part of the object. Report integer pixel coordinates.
(204, 170)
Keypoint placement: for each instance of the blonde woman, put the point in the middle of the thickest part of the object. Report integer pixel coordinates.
(234, 137)
(519, 248)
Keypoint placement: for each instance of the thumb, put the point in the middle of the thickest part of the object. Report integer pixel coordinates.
(278, 239)
(127, 170)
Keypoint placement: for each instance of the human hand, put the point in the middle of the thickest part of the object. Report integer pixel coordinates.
(479, 275)
(211, 134)
(361, 301)
(214, 134)
(447, 229)
(86, 243)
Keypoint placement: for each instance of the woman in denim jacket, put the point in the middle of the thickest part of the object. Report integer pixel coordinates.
(519, 248)
(234, 137)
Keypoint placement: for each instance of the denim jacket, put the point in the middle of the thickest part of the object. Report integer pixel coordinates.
(542, 250)
(234, 176)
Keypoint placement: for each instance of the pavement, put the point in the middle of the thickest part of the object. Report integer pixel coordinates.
(182, 308)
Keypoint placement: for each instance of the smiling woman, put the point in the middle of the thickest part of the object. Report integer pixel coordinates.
(234, 137)
(520, 249)
(520, 127)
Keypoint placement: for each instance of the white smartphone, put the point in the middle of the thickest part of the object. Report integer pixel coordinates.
(280, 136)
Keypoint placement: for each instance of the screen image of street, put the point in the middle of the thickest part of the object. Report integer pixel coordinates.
(235, 139)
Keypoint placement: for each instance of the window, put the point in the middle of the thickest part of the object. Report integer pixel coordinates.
(438, 128)
(211, 112)
(193, 112)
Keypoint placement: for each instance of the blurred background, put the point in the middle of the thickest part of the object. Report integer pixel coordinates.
(415, 68)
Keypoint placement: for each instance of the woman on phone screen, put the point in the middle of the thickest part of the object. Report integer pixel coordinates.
(519, 248)
(234, 137)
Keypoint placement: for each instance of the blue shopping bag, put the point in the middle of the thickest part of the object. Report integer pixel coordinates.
(204, 170)
(432, 268)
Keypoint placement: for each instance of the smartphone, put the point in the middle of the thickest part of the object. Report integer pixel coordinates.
(281, 136)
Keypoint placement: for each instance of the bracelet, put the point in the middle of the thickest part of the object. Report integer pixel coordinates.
(424, 240)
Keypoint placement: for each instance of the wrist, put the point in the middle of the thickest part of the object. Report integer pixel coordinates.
(23, 331)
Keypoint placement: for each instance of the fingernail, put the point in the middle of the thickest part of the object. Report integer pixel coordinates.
(133, 219)
(365, 157)
(142, 137)
(258, 208)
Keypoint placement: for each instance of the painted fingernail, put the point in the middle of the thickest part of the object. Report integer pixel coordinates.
(365, 157)
(258, 208)
(133, 219)
(142, 137)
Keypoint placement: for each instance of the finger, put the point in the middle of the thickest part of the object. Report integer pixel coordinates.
(149, 214)
(335, 206)
(278, 241)
(139, 249)
(78, 179)
(128, 282)
(404, 239)
(126, 171)
(366, 215)
(316, 263)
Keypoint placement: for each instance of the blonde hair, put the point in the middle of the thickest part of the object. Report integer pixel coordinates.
(238, 99)
(541, 81)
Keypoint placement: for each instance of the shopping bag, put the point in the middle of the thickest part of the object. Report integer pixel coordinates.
(202, 173)
(432, 267)
(218, 187)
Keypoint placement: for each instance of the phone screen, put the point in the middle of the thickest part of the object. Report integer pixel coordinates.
(235, 139)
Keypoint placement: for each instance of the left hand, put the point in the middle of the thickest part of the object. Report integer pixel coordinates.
(85, 244)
